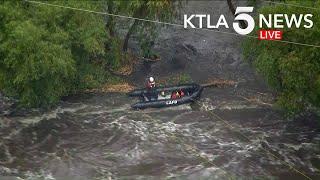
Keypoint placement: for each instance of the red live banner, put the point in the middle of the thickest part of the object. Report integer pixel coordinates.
(270, 35)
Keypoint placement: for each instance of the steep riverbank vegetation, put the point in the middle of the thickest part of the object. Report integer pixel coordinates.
(47, 52)
(292, 70)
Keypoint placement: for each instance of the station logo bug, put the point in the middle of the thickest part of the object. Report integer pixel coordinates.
(273, 22)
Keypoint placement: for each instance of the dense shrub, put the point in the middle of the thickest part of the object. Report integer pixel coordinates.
(292, 70)
(47, 52)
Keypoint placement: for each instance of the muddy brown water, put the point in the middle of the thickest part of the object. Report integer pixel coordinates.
(98, 136)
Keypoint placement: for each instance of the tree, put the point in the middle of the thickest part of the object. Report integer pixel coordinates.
(146, 9)
(292, 70)
(47, 52)
(233, 11)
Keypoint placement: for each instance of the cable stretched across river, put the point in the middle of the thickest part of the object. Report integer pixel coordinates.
(268, 152)
(165, 23)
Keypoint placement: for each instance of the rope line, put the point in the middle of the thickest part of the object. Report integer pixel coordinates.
(194, 151)
(165, 23)
(264, 149)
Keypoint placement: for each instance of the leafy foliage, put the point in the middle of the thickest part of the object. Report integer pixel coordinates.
(161, 10)
(47, 52)
(292, 70)
(44, 50)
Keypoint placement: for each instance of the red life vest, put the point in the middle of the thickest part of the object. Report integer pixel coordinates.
(173, 96)
(151, 84)
(181, 93)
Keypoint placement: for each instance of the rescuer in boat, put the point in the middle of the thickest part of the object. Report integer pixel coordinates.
(177, 94)
(151, 95)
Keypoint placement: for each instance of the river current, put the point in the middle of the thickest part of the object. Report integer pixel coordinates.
(231, 132)
(99, 136)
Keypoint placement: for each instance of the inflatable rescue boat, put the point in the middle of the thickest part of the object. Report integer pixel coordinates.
(166, 96)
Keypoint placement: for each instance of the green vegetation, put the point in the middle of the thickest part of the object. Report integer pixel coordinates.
(48, 52)
(146, 32)
(292, 70)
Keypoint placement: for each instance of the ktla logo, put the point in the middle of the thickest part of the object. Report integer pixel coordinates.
(274, 22)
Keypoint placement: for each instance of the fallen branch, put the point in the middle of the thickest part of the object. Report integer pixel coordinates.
(219, 83)
(121, 88)
(125, 87)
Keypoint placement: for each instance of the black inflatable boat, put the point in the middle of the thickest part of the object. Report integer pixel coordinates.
(163, 96)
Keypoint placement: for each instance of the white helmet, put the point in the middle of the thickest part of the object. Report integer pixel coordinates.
(151, 79)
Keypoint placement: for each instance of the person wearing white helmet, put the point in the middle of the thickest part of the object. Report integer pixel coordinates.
(151, 94)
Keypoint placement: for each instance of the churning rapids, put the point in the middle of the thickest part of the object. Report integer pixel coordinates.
(98, 136)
